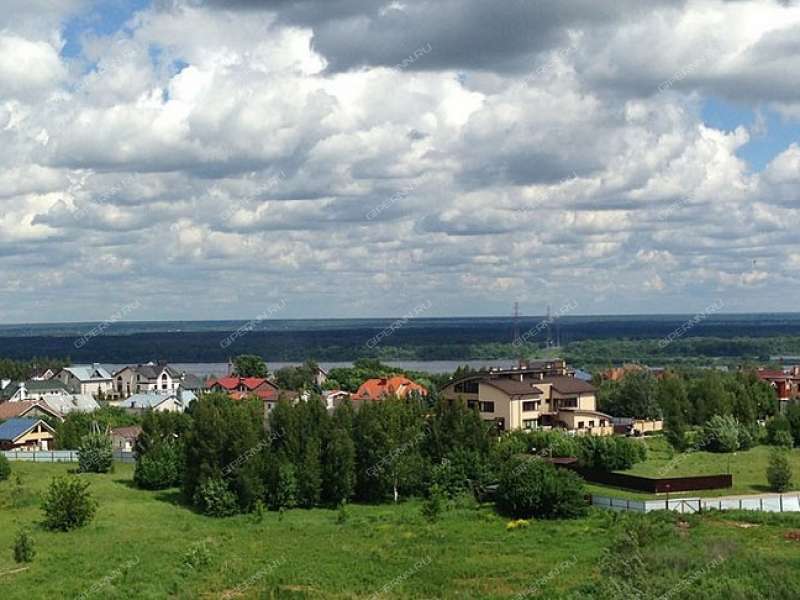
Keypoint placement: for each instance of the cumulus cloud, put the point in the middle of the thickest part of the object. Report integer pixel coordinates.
(239, 152)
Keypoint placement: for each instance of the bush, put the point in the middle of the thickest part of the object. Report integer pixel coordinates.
(610, 453)
(95, 454)
(783, 439)
(517, 524)
(779, 471)
(215, 499)
(776, 427)
(533, 488)
(434, 503)
(160, 467)
(68, 504)
(197, 557)
(24, 552)
(721, 434)
(5, 468)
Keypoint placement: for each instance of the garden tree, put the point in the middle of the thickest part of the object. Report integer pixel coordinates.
(95, 454)
(778, 427)
(309, 475)
(298, 378)
(77, 425)
(672, 396)
(68, 504)
(760, 394)
(159, 450)
(225, 443)
(530, 487)
(388, 436)
(339, 457)
(779, 471)
(721, 434)
(675, 431)
(634, 396)
(709, 396)
(250, 365)
(610, 453)
(793, 416)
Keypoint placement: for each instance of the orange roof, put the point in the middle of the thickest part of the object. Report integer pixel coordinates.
(375, 389)
(231, 383)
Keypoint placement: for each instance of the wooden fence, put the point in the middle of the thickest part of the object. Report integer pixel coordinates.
(656, 486)
(56, 456)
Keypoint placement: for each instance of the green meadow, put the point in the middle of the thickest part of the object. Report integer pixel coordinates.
(145, 544)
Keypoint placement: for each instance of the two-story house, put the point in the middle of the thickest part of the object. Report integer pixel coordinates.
(148, 378)
(537, 395)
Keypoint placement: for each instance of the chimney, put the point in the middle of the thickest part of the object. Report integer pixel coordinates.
(23, 392)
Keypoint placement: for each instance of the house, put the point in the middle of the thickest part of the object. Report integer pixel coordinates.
(383, 387)
(28, 409)
(123, 439)
(86, 379)
(172, 402)
(70, 403)
(333, 398)
(34, 389)
(534, 396)
(151, 377)
(42, 374)
(786, 384)
(26, 434)
(240, 387)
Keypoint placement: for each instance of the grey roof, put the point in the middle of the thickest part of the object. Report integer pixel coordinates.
(13, 429)
(88, 372)
(73, 403)
(191, 382)
(152, 400)
(35, 386)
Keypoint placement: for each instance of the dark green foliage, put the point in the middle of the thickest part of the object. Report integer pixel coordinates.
(214, 498)
(793, 416)
(779, 471)
(434, 504)
(530, 487)
(22, 370)
(283, 488)
(610, 453)
(635, 396)
(250, 365)
(298, 378)
(225, 441)
(675, 432)
(77, 425)
(350, 378)
(95, 454)
(160, 467)
(5, 468)
(68, 504)
(778, 424)
(24, 550)
(339, 466)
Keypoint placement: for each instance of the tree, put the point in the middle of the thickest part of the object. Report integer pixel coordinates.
(778, 430)
(298, 378)
(5, 468)
(530, 487)
(77, 425)
(793, 416)
(721, 434)
(68, 504)
(95, 454)
(339, 458)
(779, 471)
(250, 365)
(634, 396)
(709, 397)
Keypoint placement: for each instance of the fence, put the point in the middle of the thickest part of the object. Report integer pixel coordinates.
(763, 503)
(657, 486)
(56, 456)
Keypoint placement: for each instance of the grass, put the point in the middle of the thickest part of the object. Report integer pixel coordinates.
(139, 544)
(749, 470)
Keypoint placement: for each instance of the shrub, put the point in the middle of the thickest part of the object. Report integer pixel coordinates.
(68, 504)
(342, 515)
(95, 454)
(24, 551)
(533, 488)
(215, 499)
(284, 492)
(517, 524)
(160, 467)
(434, 503)
(783, 439)
(20, 496)
(775, 427)
(721, 434)
(779, 471)
(197, 556)
(610, 453)
(5, 468)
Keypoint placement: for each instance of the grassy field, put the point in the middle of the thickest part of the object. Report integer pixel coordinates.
(138, 544)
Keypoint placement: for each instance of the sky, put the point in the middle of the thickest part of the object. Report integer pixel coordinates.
(210, 159)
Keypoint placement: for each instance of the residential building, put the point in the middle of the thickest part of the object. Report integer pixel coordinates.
(543, 395)
(26, 434)
(240, 387)
(151, 377)
(123, 439)
(34, 389)
(28, 409)
(73, 403)
(333, 398)
(786, 384)
(86, 379)
(383, 387)
(156, 401)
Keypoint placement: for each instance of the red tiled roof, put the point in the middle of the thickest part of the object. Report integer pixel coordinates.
(231, 383)
(375, 389)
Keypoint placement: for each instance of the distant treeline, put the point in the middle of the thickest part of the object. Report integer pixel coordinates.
(586, 340)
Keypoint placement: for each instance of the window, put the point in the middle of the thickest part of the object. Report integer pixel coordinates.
(580, 424)
(602, 422)
(530, 424)
(467, 387)
(530, 405)
(486, 407)
(591, 423)
(472, 404)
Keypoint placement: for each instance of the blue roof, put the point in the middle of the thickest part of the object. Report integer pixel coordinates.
(13, 428)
